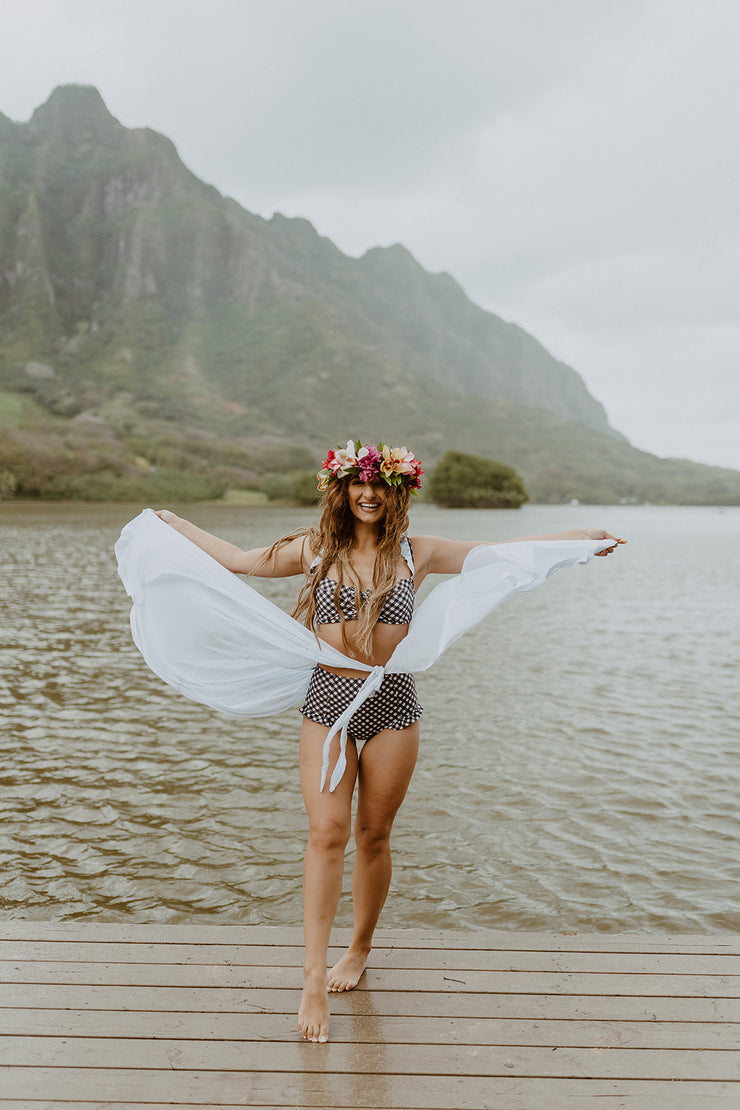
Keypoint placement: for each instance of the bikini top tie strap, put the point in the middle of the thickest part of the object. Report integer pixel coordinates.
(408, 554)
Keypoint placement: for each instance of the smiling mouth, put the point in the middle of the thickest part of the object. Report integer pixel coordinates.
(369, 506)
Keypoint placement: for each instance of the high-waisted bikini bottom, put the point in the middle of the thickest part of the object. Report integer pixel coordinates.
(395, 704)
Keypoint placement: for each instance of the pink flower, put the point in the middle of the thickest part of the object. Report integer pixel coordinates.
(369, 459)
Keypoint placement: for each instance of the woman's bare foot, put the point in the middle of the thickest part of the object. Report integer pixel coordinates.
(346, 974)
(313, 1015)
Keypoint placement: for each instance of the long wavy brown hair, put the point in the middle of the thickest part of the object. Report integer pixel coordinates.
(332, 539)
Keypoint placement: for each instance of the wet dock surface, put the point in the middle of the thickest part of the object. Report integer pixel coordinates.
(111, 1015)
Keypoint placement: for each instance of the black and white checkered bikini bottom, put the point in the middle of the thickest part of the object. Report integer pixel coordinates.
(395, 704)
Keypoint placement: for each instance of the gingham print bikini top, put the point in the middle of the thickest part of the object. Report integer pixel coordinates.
(398, 607)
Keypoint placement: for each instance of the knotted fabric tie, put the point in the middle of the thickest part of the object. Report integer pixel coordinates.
(370, 686)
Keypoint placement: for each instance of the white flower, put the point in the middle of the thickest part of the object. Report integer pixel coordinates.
(346, 458)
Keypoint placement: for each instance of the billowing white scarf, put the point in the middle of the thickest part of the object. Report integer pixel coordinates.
(212, 637)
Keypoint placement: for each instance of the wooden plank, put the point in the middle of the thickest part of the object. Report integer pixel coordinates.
(379, 1058)
(488, 939)
(478, 982)
(45, 1104)
(367, 1029)
(266, 1089)
(243, 955)
(390, 1003)
(678, 1099)
(575, 1101)
(54, 1104)
(140, 1016)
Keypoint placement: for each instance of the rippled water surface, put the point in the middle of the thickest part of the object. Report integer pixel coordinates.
(579, 765)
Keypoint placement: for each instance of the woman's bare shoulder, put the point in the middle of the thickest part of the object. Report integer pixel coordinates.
(438, 554)
(423, 544)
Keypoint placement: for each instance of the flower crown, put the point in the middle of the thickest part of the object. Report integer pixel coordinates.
(372, 463)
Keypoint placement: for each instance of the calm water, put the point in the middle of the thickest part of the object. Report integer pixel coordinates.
(579, 765)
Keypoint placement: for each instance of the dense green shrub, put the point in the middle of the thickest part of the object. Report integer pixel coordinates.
(278, 487)
(8, 483)
(462, 481)
(305, 490)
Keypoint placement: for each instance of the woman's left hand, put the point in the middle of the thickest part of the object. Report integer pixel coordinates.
(600, 534)
(167, 516)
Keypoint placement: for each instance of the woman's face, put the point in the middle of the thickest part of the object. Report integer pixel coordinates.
(367, 500)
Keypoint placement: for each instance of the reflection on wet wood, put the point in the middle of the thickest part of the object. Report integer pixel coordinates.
(96, 1015)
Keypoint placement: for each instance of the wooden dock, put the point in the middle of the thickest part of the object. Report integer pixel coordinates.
(140, 1016)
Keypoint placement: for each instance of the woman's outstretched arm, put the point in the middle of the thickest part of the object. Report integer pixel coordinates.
(437, 555)
(262, 562)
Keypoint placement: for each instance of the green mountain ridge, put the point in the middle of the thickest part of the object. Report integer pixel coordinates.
(148, 325)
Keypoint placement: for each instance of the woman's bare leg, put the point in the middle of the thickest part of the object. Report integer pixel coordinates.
(385, 768)
(329, 821)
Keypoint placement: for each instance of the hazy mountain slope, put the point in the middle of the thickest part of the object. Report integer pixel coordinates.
(155, 322)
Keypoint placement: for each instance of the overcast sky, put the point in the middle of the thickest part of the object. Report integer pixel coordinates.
(574, 164)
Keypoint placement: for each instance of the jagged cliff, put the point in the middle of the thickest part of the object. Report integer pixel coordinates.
(151, 321)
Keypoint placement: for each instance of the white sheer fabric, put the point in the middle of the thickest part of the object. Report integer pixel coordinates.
(213, 638)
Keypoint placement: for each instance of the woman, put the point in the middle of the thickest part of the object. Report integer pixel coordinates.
(361, 575)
